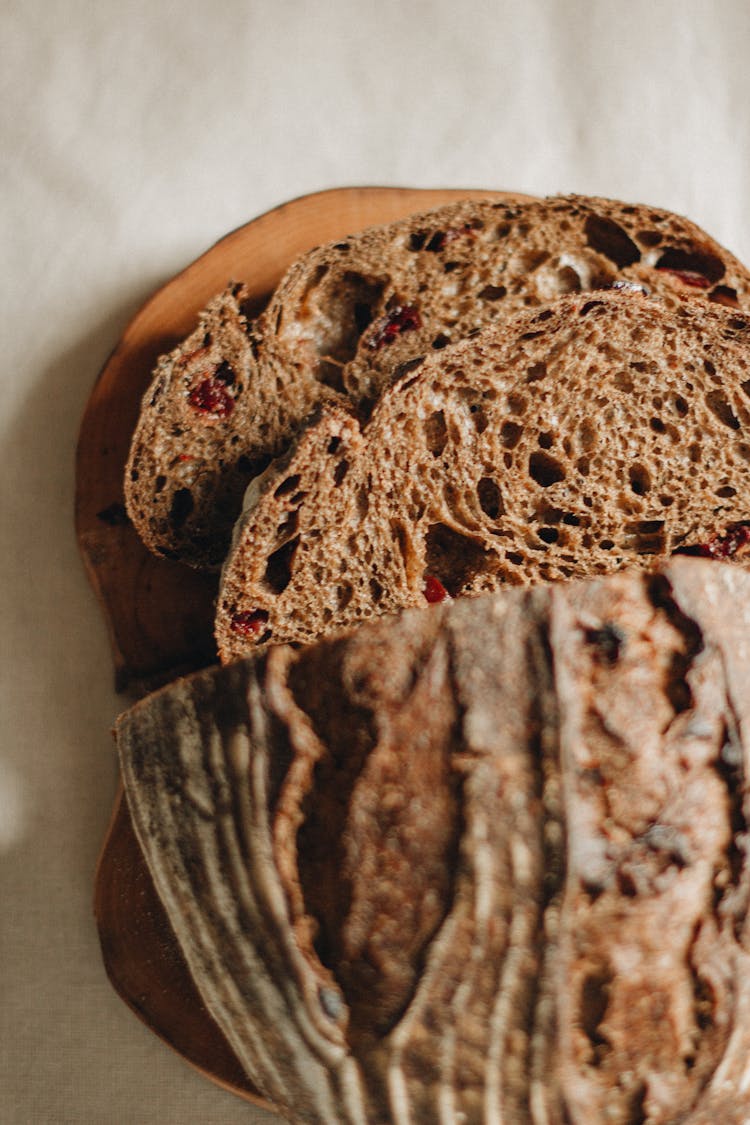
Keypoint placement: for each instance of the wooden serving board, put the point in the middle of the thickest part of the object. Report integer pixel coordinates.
(159, 614)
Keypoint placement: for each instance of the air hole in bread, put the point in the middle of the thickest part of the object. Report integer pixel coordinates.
(648, 238)
(536, 372)
(567, 281)
(335, 315)
(287, 485)
(403, 541)
(640, 479)
(510, 434)
(181, 507)
(440, 341)
(340, 472)
(694, 261)
(545, 470)
(587, 309)
(344, 594)
(278, 573)
(526, 261)
(586, 434)
(490, 498)
(726, 492)
(546, 440)
(376, 591)
(492, 293)
(724, 295)
(595, 991)
(721, 409)
(252, 466)
(479, 418)
(648, 536)
(435, 432)
(548, 534)
(681, 406)
(608, 238)
(159, 483)
(583, 466)
(454, 559)
(288, 526)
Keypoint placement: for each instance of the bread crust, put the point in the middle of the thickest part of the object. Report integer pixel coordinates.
(348, 316)
(570, 766)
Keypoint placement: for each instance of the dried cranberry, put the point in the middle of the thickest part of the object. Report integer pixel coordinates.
(724, 545)
(434, 591)
(211, 396)
(249, 623)
(401, 318)
(727, 545)
(441, 238)
(688, 277)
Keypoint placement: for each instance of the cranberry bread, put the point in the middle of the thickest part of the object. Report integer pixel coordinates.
(484, 863)
(348, 316)
(599, 432)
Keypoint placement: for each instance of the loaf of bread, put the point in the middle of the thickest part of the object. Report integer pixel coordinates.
(603, 431)
(484, 863)
(348, 317)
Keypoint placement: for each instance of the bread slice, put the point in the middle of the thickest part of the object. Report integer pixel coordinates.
(481, 863)
(599, 432)
(348, 316)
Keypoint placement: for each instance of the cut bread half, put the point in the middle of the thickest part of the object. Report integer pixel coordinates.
(348, 316)
(601, 432)
(491, 857)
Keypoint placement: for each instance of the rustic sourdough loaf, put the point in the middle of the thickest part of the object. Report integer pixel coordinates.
(348, 316)
(602, 431)
(482, 863)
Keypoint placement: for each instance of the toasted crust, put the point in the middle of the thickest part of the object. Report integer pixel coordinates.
(348, 316)
(598, 433)
(491, 855)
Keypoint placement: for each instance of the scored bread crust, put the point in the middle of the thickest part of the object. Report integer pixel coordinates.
(487, 862)
(349, 315)
(603, 431)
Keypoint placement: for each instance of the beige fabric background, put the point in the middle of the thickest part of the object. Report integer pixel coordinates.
(133, 135)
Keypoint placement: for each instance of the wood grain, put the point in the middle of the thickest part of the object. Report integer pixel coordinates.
(160, 614)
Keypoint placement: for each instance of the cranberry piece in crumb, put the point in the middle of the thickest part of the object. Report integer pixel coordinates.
(688, 277)
(401, 318)
(210, 394)
(434, 591)
(727, 545)
(249, 623)
(442, 238)
(724, 545)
